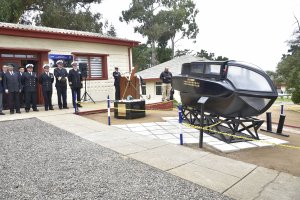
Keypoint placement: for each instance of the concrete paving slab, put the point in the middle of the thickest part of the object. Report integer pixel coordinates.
(168, 156)
(166, 136)
(144, 133)
(173, 141)
(284, 187)
(190, 140)
(138, 129)
(252, 185)
(203, 176)
(152, 128)
(276, 141)
(163, 123)
(129, 149)
(225, 148)
(149, 143)
(225, 165)
(261, 143)
(133, 125)
(243, 145)
(159, 132)
(149, 124)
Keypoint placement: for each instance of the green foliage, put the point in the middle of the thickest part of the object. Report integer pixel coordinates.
(288, 69)
(67, 14)
(296, 95)
(141, 57)
(161, 20)
(112, 31)
(202, 54)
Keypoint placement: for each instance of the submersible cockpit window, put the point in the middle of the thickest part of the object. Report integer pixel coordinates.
(245, 79)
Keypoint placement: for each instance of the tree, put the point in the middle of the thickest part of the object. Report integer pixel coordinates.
(180, 19)
(288, 68)
(112, 31)
(141, 57)
(67, 14)
(161, 20)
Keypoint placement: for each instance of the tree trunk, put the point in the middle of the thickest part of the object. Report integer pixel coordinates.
(173, 47)
(153, 54)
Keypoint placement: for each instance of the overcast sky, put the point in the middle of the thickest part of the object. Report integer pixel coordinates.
(254, 31)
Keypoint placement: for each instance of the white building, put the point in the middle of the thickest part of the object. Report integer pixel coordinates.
(22, 44)
(152, 88)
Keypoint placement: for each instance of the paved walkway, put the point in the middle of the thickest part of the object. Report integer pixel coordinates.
(233, 178)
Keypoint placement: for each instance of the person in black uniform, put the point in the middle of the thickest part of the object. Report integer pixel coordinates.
(29, 82)
(61, 75)
(22, 94)
(5, 95)
(1, 93)
(46, 79)
(12, 87)
(75, 83)
(117, 77)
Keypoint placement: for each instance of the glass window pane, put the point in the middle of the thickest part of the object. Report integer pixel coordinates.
(213, 69)
(7, 55)
(31, 56)
(197, 68)
(143, 88)
(20, 56)
(245, 79)
(158, 89)
(96, 67)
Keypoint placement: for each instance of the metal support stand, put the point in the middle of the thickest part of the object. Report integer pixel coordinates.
(202, 101)
(85, 94)
(280, 123)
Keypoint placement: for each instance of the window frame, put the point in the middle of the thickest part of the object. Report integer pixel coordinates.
(158, 84)
(89, 55)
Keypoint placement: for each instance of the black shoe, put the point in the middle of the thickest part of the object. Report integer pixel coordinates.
(18, 112)
(51, 108)
(12, 112)
(36, 110)
(1, 113)
(26, 110)
(46, 109)
(79, 106)
(66, 107)
(60, 108)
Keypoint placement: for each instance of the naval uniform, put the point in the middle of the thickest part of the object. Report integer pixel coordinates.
(117, 77)
(75, 79)
(61, 86)
(29, 81)
(13, 85)
(46, 79)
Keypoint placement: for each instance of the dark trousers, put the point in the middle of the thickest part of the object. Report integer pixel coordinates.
(62, 96)
(117, 92)
(47, 99)
(5, 101)
(13, 101)
(76, 91)
(22, 98)
(30, 98)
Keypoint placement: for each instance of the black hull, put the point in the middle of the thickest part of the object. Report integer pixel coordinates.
(223, 100)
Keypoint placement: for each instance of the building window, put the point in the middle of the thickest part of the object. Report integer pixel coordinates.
(158, 88)
(96, 65)
(144, 89)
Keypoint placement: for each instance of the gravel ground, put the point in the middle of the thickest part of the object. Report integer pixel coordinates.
(40, 161)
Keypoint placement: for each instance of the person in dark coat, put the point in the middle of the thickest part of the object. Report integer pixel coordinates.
(117, 77)
(4, 94)
(12, 87)
(166, 78)
(29, 82)
(46, 79)
(75, 83)
(1, 93)
(61, 75)
(22, 93)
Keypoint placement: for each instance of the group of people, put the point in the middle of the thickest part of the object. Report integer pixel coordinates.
(20, 88)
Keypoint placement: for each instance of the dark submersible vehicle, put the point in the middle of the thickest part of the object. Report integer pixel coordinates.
(236, 91)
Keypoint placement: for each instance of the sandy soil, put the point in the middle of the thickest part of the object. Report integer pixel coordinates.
(278, 158)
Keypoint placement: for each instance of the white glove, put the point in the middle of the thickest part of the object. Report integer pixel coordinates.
(6, 91)
(59, 78)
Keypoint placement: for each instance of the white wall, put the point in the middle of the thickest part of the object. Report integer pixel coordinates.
(118, 56)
